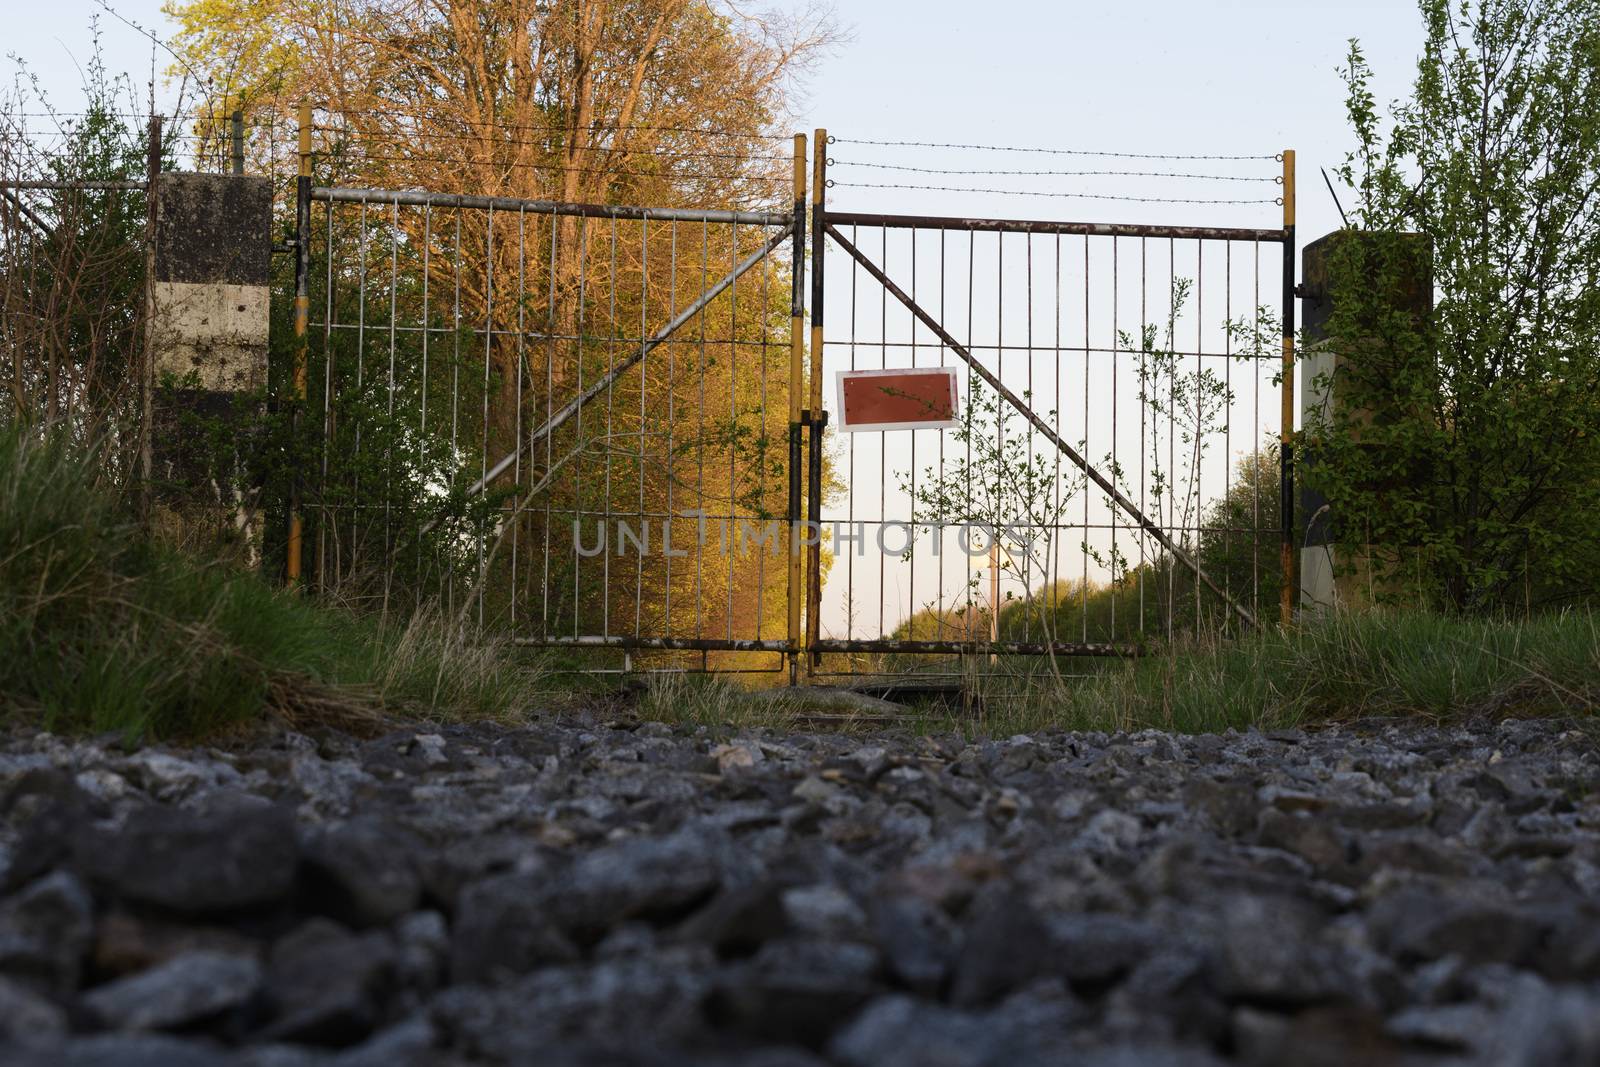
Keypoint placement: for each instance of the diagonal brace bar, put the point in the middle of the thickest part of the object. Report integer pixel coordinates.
(1044, 429)
(661, 336)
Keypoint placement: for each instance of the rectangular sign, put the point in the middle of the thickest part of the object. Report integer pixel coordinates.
(921, 399)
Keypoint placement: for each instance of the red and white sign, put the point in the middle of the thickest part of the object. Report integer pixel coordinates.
(920, 399)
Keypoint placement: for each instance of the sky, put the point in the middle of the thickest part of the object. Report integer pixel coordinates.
(1220, 76)
(1154, 77)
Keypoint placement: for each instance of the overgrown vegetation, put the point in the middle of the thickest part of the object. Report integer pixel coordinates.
(1345, 668)
(1462, 443)
(103, 628)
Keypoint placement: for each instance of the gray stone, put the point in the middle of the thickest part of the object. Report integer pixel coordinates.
(412, 1043)
(1099, 947)
(503, 928)
(186, 989)
(243, 856)
(1415, 925)
(1005, 945)
(916, 939)
(26, 1018)
(795, 992)
(45, 932)
(638, 878)
(1268, 952)
(118, 1050)
(362, 872)
(899, 1031)
(824, 910)
(326, 985)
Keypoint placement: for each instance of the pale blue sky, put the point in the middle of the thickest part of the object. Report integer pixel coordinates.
(1152, 75)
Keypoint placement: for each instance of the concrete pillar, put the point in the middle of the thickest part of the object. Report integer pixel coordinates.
(1334, 561)
(211, 297)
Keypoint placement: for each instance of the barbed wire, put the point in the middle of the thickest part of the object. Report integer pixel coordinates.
(592, 128)
(664, 153)
(1054, 195)
(1048, 151)
(497, 165)
(1051, 173)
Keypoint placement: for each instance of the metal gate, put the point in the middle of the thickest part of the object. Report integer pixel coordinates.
(1128, 392)
(601, 427)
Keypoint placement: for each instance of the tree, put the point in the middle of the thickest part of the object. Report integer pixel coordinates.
(1466, 443)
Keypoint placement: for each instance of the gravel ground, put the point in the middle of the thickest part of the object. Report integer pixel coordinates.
(595, 893)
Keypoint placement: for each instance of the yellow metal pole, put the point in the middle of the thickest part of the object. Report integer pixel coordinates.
(302, 319)
(797, 355)
(1286, 416)
(819, 188)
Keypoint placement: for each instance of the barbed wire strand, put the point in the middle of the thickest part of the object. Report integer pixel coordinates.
(1045, 151)
(1056, 195)
(1050, 173)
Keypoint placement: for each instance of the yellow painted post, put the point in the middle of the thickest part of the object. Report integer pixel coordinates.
(302, 320)
(1286, 416)
(819, 423)
(797, 357)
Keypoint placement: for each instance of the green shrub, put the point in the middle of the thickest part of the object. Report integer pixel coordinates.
(104, 629)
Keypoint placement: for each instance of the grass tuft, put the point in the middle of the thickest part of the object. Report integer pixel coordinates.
(104, 629)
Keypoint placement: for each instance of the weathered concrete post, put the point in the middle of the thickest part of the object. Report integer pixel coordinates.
(1335, 570)
(212, 263)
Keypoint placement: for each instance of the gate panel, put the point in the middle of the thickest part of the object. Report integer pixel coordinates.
(1151, 353)
(561, 419)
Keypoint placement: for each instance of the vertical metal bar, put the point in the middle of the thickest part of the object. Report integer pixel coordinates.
(938, 533)
(1227, 425)
(302, 324)
(388, 445)
(761, 450)
(422, 418)
(644, 389)
(1116, 467)
(1088, 350)
(700, 439)
(361, 356)
(1144, 409)
(147, 375)
(552, 320)
(883, 435)
(236, 121)
(999, 433)
(819, 418)
(733, 419)
(671, 465)
(516, 473)
(1027, 575)
(797, 354)
(1255, 422)
(1171, 511)
(1053, 568)
(911, 580)
(329, 310)
(455, 380)
(611, 362)
(488, 360)
(1286, 415)
(1199, 408)
(578, 445)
